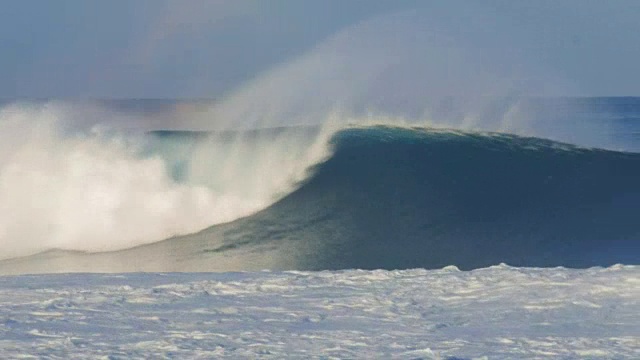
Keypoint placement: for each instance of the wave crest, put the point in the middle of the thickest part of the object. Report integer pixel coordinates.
(91, 192)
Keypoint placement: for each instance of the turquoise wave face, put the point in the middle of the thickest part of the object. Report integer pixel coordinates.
(411, 197)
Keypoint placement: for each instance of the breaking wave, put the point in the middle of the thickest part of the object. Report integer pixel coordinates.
(308, 197)
(94, 191)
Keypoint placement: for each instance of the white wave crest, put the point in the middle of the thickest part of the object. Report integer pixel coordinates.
(95, 193)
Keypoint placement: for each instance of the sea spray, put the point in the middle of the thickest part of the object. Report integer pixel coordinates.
(87, 191)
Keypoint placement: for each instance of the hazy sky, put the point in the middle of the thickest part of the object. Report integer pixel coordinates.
(200, 48)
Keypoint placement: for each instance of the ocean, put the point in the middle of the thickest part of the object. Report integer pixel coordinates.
(544, 183)
(156, 228)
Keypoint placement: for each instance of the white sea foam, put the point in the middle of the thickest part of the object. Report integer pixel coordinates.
(512, 313)
(90, 192)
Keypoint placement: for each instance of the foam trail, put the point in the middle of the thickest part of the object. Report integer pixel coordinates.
(95, 193)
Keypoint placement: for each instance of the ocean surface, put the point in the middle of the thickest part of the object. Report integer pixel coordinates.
(498, 312)
(555, 183)
(510, 232)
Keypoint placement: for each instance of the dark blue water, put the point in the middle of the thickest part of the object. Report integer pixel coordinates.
(402, 198)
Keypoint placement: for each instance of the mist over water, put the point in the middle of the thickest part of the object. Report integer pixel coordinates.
(401, 65)
(433, 68)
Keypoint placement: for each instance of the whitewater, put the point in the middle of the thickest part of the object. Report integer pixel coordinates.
(494, 313)
(87, 190)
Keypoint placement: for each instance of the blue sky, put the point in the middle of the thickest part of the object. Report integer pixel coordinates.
(199, 48)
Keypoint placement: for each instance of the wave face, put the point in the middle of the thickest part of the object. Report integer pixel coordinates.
(411, 197)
